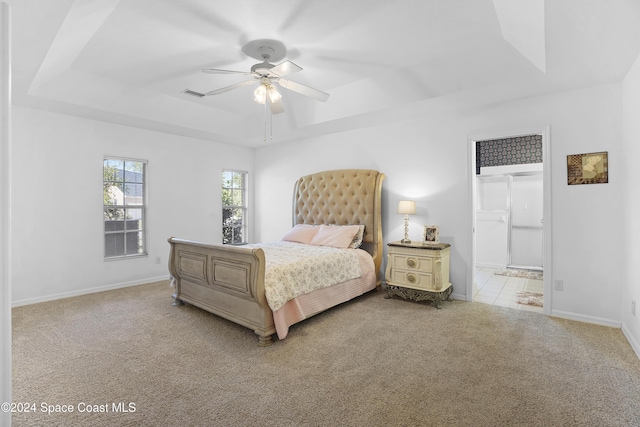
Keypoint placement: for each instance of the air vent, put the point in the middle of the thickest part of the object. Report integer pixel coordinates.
(193, 93)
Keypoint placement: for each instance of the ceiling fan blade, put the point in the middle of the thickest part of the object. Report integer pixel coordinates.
(304, 90)
(193, 93)
(277, 107)
(286, 68)
(217, 71)
(228, 88)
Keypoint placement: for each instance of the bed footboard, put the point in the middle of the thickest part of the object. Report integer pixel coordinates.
(224, 280)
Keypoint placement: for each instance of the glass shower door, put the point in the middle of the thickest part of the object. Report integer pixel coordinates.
(526, 230)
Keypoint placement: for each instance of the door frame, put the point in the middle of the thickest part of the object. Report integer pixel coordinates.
(547, 234)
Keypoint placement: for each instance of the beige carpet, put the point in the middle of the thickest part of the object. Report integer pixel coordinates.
(369, 362)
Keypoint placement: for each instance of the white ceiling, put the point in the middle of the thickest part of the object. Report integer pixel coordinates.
(128, 61)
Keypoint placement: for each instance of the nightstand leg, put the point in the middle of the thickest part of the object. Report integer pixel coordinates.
(387, 292)
(418, 295)
(444, 296)
(437, 301)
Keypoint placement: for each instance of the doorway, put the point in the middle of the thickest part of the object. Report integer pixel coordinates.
(510, 201)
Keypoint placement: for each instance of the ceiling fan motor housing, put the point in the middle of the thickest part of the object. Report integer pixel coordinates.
(273, 49)
(262, 68)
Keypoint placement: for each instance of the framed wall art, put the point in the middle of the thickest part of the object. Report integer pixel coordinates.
(431, 234)
(589, 168)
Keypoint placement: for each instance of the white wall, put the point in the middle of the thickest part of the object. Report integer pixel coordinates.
(427, 159)
(437, 186)
(58, 244)
(5, 222)
(630, 252)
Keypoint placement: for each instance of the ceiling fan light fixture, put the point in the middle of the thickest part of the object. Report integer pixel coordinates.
(265, 90)
(274, 95)
(267, 75)
(260, 94)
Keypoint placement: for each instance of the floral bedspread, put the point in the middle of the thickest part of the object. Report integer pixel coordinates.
(293, 269)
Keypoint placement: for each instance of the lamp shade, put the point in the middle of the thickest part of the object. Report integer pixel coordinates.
(407, 207)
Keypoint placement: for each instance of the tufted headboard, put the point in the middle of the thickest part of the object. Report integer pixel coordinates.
(343, 197)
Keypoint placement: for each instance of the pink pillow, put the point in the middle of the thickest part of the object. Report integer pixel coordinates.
(301, 233)
(337, 237)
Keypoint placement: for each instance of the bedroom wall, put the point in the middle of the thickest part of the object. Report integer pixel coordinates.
(58, 247)
(5, 220)
(630, 252)
(427, 159)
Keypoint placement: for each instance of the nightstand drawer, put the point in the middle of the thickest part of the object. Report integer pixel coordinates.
(412, 262)
(412, 279)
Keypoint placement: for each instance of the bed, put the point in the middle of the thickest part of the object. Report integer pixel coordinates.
(229, 281)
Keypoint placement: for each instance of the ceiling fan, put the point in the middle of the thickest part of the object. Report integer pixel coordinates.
(267, 75)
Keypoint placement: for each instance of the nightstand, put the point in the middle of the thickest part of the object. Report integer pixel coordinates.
(419, 271)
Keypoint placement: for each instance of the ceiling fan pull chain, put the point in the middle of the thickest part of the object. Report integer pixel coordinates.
(265, 121)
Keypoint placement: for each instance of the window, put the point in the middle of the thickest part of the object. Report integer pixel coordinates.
(234, 207)
(124, 207)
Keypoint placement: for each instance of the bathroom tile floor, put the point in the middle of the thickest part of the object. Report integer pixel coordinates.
(501, 290)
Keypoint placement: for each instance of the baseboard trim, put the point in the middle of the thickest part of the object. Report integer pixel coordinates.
(70, 294)
(634, 344)
(587, 319)
(459, 297)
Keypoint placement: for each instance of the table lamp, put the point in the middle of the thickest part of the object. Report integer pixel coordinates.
(406, 207)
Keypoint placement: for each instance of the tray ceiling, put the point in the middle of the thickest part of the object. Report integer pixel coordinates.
(128, 62)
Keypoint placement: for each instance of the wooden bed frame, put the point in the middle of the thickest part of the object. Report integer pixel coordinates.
(229, 280)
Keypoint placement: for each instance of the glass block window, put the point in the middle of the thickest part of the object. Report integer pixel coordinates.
(234, 207)
(124, 206)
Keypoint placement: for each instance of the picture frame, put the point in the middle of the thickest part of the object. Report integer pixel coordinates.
(588, 168)
(431, 234)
